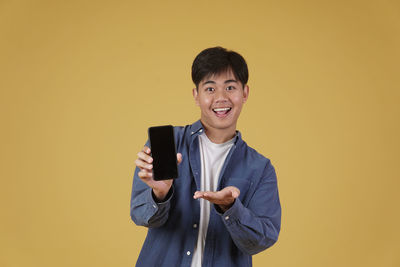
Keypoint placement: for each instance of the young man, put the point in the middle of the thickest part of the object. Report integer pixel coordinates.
(224, 207)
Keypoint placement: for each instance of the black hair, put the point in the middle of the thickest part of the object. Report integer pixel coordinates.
(216, 60)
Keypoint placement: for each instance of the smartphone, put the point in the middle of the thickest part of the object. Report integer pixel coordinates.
(163, 151)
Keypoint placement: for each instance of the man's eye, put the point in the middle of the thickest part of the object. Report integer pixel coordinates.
(230, 88)
(209, 89)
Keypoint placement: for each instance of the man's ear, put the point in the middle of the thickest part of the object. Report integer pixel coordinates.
(196, 96)
(245, 93)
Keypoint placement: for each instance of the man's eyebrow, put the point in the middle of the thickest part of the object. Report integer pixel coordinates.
(230, 81)
(209, 81)
(212, 82)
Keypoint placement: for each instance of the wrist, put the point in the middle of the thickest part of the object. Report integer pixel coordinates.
(162, 196)
(224, 208)
(159, 195)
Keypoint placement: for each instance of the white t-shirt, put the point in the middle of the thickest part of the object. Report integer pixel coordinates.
(212, 159)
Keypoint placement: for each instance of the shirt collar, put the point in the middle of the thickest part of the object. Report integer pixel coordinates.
(197, 128)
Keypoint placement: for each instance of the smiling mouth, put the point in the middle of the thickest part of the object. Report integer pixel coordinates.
(221, 111)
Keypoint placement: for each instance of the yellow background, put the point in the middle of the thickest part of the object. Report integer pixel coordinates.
(82, 80)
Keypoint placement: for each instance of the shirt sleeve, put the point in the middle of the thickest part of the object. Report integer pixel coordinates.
(145, 211)
(256, 227)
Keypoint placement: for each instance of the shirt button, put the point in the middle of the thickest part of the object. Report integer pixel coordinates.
(201, 130)
(195, 225)
(188, 253)
(226, 217)
(154, 206)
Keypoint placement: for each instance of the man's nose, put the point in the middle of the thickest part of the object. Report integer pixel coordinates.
(220, 95)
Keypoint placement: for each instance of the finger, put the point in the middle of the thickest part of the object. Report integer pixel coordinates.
(143, 156)
(143, 174)
(143, 165)
(212, 196)
(216, 200)
(231, 191)
(179, 157)
(235, 194)
(146, 150)
(219, 197)
(198, 194)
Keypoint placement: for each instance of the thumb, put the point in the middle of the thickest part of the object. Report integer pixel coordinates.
(235, 192)
(231, 191)
(179, 157)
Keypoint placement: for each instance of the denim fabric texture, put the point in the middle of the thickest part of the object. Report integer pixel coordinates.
(250, 226)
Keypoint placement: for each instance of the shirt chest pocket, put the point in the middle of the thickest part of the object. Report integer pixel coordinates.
(242, 184)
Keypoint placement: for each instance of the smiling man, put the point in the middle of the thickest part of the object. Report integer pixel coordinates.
(224, 207)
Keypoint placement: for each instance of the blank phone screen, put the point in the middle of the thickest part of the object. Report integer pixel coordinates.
(163, 151)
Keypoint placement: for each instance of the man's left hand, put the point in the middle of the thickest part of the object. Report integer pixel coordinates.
(224, 198)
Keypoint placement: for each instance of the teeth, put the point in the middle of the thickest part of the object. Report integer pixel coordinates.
(221, 109)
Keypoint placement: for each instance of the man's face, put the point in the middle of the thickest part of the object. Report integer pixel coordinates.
(220, 98)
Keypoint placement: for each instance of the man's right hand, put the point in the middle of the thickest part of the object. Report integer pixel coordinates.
(145, 163)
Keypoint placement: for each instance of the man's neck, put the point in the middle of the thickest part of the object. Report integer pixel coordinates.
(219, 136)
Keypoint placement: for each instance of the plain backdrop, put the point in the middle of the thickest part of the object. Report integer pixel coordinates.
(81, 81)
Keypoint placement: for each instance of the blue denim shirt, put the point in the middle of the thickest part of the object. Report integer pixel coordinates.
(251, 225)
